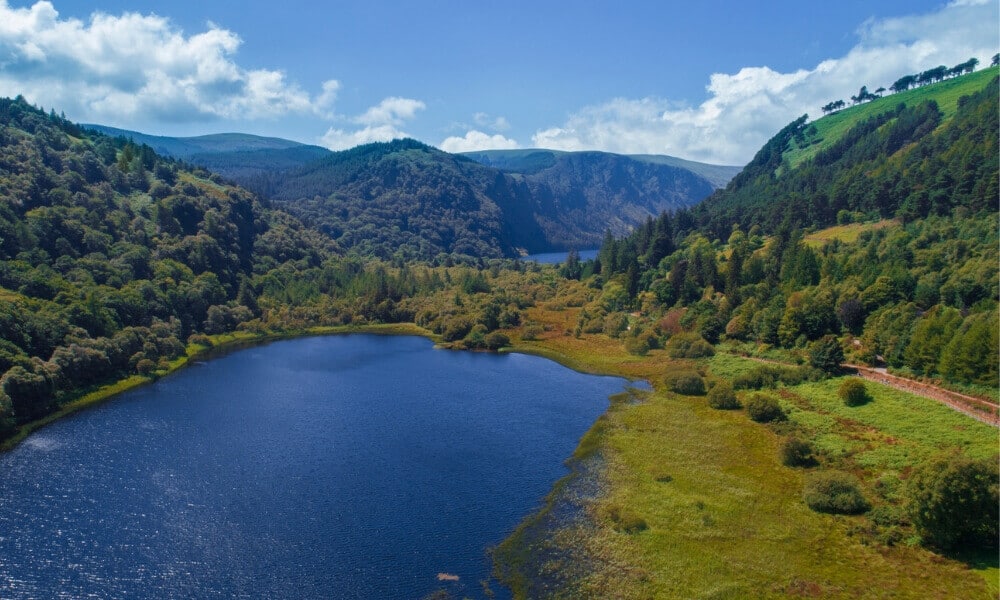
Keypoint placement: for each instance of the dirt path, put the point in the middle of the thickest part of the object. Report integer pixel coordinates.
(977, 408)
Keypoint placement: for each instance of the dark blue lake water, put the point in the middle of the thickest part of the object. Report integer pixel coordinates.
(551, 258)
(334, 467)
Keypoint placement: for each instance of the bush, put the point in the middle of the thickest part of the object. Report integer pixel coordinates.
(689, 345)
(834, 492)
(796, 453)
(638, 346)
(532, 333)
(688, 383)
(853, 392)
(496, 340)
(953, 502)
(722, 397)
(764, 409)
(769, 376)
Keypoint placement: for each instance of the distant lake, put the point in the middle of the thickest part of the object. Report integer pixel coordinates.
(332, 467)
(552, 258)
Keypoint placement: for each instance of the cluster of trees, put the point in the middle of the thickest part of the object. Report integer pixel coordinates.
(939, 73)
(919, 293)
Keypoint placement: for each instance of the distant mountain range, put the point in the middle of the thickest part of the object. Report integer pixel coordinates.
(410, 200)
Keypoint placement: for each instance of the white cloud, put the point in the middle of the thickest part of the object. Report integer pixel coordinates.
(382, 123)
(391, 111)
(117, 68)
(477, 140)
(496, 124)
(745, 109)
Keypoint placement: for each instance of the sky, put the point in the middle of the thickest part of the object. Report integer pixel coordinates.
(709, 81)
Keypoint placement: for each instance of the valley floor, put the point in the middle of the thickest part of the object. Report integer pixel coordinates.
(694, 502)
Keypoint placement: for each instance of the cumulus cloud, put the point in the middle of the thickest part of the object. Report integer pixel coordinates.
(744, 109)
(496, 124)
(477, 140)
(380, 123)
(115, 68)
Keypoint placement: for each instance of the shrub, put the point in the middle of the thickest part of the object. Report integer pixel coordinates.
(853, 392)
(201, 339)
(834, 492)
(764, 409)
(796, 453)
(638, 346)
(722, 397)
(496, 340)
(953, 502)
(532, 332)
(688, 383)
(769, 376)
(456, 329)
(689, 345)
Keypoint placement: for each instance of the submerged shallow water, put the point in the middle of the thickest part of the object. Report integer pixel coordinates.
(335, 467)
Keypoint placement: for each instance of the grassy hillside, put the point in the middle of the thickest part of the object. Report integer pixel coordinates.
(831, 128)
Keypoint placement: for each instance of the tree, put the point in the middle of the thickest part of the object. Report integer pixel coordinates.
(996, 60)
(903, 83)
(826, 354)
(953, 502)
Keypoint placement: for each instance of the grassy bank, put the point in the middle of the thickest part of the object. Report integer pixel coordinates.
(694, 503)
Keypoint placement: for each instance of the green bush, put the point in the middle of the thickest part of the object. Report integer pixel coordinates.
(953, 502)
(496, 340)
(834, 492)
(688, 383)
(532, 333)
(796, 453)
(638, 346)
(764, 409)
(853, 392)
(769, 376)
(722, 397)
(689, 345)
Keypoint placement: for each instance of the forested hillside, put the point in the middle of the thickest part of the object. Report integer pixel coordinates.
(909, 280)
(405, 199)
(112, 256)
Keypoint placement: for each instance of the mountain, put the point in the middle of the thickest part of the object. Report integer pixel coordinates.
(186, 147)
(532, 161)
(877, 225)
(908, 155)
(111, 256)
(411, 200)
(407, 199)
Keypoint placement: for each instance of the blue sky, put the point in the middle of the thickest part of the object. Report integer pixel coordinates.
(707, 80)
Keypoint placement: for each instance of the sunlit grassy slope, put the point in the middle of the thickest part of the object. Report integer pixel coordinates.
(832, 127)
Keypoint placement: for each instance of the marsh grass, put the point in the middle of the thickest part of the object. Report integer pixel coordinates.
(723, 517)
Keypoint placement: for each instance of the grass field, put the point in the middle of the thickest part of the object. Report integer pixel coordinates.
(845, 233)
(694, 502)
(832, 127)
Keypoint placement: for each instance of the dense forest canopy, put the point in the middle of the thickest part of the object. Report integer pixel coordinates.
(916, 290)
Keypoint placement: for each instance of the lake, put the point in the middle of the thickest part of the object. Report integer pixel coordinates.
(551, 258)
(353, 466)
